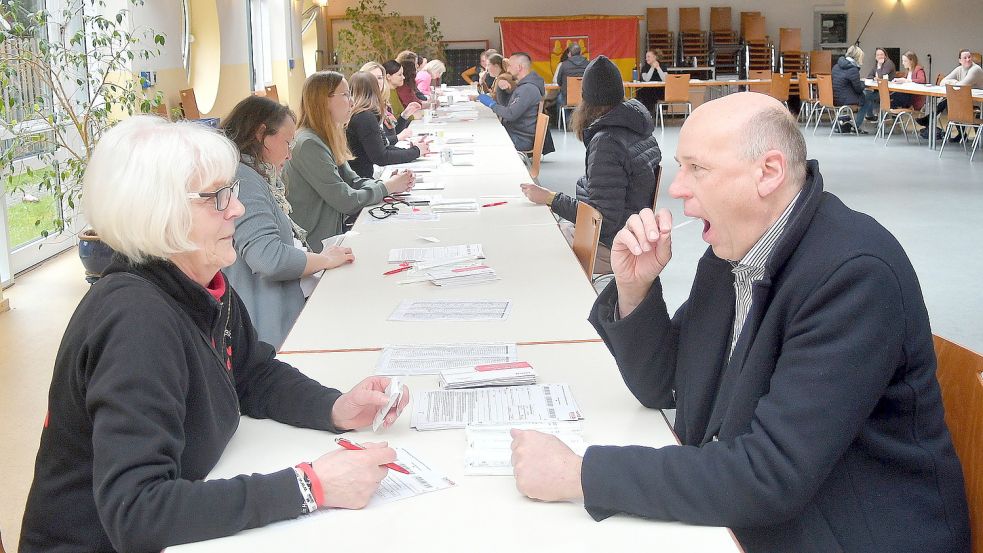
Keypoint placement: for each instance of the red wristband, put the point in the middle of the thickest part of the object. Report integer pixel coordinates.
(316, 488)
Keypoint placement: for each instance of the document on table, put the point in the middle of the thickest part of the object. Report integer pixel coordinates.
(422, 479)
(458, 138)
(489, 449)
(432, 358)
(516, 373)
(435, 253)
(423, 214)
(452, 310)
(443, 409)
(455, 205)
(470, 274)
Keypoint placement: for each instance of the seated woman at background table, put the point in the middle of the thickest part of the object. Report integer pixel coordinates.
(401, 115)
(393, 126)
(365, 135)
(883, 69)
(321, 186)
(159, 361)
(916, 74)
(408, 92)
(269, 263)
(651, 72)
(622, 158)
(848, 88)
(431, 71)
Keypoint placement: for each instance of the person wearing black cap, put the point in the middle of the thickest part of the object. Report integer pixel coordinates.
(622, 158)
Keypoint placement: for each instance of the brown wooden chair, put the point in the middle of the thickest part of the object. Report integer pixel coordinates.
(189, 105)
(677, 94)
(962, 116)
(272, 94)
(807, 102)
(658, 183)
(904, 115)
(820, 63)
(161, 111)
(536, 155)
(960, 374)
(586, 233)
(575, 89)
(466, 74)
(826, 104)
(779, 88)
(763, 75)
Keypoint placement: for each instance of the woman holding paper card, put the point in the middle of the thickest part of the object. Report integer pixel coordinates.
(365, 136)
(271, 254)
(160, 360)
(322, 187)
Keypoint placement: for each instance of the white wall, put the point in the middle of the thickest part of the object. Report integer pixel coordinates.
(926, 26)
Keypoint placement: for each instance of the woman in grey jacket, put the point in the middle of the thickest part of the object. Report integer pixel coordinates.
(322, 187)
(269, 265)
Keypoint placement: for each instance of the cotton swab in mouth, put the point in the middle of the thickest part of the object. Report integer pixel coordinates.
(684, 223)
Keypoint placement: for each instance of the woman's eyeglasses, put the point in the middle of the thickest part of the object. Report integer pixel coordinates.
(388, 207)
(223, 196)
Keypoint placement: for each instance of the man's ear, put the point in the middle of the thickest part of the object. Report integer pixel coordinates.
(772, 171)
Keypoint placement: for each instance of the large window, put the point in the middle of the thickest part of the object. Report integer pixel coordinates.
(260, 44)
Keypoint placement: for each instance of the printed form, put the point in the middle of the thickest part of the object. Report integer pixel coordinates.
(489, 450)
(443, 409)
(431, 359)
(452, 310)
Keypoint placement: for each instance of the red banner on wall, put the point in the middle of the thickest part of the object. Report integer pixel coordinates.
(545, 38)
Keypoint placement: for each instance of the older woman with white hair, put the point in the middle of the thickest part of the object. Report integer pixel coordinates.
(432, 71)
(160, 360)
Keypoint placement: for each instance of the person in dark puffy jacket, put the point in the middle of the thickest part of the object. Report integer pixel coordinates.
(848, 88)
(622, 158)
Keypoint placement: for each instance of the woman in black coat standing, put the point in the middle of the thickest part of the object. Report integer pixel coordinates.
(622, 159)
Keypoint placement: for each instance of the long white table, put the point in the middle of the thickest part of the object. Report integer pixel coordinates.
(481, 513)
(551, 297)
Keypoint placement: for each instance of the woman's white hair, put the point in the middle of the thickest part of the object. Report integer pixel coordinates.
(435, 67)
(136, 184)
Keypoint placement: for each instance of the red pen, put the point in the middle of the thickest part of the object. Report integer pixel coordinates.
(493, 204)
(355, 447)
(402, 267)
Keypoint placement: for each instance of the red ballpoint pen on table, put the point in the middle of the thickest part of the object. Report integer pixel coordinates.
(355, 447)
(402, 267)
(493, 204)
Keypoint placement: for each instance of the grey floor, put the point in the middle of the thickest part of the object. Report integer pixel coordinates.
(933, 206)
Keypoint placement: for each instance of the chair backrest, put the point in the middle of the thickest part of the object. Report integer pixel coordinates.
(938, 78)
(542, 125)
(586, 233)
(960, 100)
(677, 88)
(825, 90)
(658, 183)
(961, 382)
(884, 94)
(162, 111)
(466, 74)
(762, 74)
(575, 88)
(189, 105)
(271, 93)
(820, 63)
(805, 89)
(779, 86)
(977, 58)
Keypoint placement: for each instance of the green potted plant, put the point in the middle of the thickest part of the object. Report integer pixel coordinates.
(378, 35)
(67, 75)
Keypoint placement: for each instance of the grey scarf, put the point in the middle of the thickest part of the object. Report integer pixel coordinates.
(277, 188)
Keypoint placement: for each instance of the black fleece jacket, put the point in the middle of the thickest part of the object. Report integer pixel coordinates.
(622, 164)
(149, 383)
(369, 145)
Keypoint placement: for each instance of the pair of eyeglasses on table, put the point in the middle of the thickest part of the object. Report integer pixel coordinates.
(388, 207)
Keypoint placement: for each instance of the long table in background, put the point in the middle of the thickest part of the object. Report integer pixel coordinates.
(336, 341)
(480, 513)
(932, 92)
